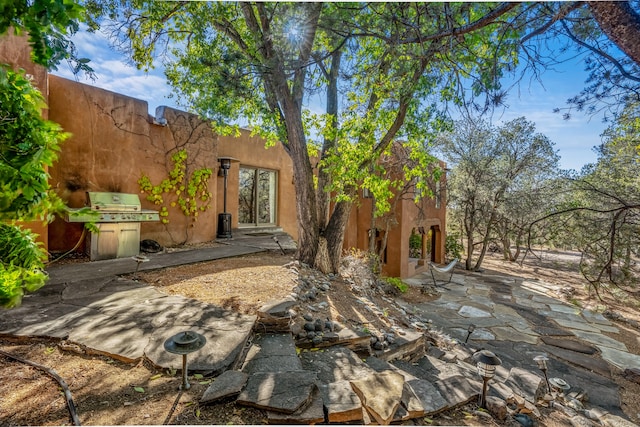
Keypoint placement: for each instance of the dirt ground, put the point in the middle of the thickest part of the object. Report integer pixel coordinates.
(108, 392)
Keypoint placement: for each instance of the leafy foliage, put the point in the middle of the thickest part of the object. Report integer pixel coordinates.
(21, 269)
(49, 24)
(494, 171)
(601, 209)
(28, 145)
(192, 194)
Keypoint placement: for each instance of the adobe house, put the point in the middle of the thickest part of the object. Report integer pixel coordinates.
(115, 143)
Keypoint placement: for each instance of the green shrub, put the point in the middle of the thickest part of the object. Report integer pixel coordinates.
(453, 247)
(397, 282)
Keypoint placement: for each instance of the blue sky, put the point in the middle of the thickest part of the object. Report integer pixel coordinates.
(573, 139)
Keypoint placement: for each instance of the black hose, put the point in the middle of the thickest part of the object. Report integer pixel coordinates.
(67, 393)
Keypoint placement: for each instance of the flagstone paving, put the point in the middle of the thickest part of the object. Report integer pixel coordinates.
(514, 318)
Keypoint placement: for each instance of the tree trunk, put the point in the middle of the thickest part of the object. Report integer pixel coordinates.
(334, 236)
(469, 228)
(329, 143)
(306, 207)
(620, 23)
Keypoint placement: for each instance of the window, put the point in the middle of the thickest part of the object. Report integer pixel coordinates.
(257, 196)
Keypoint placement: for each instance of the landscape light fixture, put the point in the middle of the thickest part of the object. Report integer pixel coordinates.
(224, 218)
(470, 330)
(139, 259)
(486, 362)
(184, 343)
(542, 360)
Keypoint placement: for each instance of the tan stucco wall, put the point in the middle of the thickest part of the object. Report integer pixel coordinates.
(408, 217)
(250, 151)
(15, 51)
(114, 142)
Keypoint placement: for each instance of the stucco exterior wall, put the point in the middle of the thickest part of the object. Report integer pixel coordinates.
(114, 142)
(250, 151)
(407, 217)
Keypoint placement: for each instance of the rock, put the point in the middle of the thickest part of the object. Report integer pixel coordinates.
(524, 420)
(329, 326)
(572, 345)
(458, 389)
(575, 404)
(595, 413)
(420, 398)
(277, 308)
(378, 346)
(610, 420)
(527, 384)
(310, 414)
(381, 394)
(308, 317)
(581, 421)
(284, 392)
(632, 374)
(331, 337)
(319, 325)
(317, 340)
(309, 326)
(341, 402)
(230, 383)
(485, 416)
(323, 305)
(497, 407)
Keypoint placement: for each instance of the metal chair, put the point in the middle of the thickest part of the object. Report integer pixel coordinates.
(447, 269)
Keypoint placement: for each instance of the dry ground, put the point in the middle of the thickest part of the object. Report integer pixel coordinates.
(108, 392)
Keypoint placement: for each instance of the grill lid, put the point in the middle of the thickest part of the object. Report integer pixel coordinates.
(113, 202)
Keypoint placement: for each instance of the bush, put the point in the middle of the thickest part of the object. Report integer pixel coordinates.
(453, 247)
(397, 283)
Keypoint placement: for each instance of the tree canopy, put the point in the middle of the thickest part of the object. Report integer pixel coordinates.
(28, 143)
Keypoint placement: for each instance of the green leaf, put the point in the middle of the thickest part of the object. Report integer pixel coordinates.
(139, 389)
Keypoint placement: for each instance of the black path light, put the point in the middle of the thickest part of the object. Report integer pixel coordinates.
(487, 362)
(542, 360)
(470, 330)
(224, 218)
(184, 343)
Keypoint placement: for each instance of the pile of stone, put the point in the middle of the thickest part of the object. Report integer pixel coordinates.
(336, 385)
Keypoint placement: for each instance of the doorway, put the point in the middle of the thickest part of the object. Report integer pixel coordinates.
(257, 197)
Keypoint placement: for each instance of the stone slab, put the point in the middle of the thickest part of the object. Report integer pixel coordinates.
(423, 398)
(224, 345)
(579, 326)
(552, 332)
(229, 383)
(313, 413)
(563, 308)
(381, 394)
(335, 364)
(284, 392)
(341, 403)
(527, 384)
(272, 353)
(597, 318)
(620, 359)
(510, 334)
(472, 312)
(572, 345)
(587, 362)
(601, 340)
(278, 308)
(458, 390)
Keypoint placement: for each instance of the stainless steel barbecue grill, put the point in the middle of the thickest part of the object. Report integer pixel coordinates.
(118, 218)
